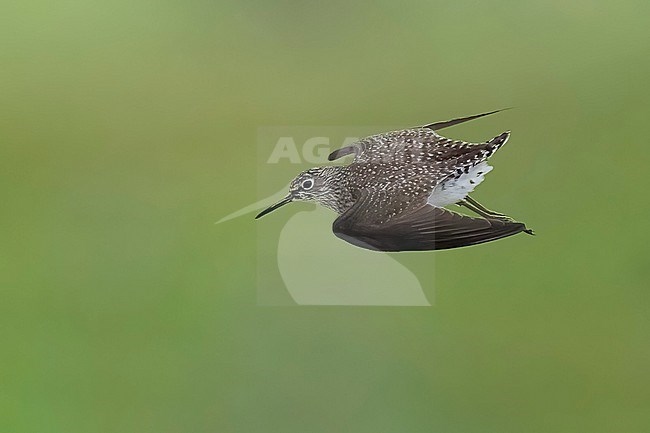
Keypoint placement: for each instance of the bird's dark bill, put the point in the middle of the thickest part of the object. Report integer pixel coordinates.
(281, 203)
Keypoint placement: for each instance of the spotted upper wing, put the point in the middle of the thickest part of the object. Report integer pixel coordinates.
(365, 225)
(410, 177)
(422, 142)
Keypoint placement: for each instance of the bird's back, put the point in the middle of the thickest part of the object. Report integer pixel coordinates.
(410, 164)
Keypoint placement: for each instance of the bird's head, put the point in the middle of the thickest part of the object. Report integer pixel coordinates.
(310, 185)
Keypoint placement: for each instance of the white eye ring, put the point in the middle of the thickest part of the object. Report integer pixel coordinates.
(307, 184)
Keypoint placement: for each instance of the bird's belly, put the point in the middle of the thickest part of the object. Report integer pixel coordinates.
(453, 189)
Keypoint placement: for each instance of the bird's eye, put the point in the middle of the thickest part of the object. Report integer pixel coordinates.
(307, 184)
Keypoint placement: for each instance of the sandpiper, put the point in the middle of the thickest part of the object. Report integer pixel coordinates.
(392, 196)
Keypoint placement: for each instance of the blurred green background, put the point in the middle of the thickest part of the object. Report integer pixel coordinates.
(128, 127)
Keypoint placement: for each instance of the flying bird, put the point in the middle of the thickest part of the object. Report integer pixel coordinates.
(392, 196)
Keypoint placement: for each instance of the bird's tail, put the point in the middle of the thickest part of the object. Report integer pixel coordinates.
(495, 144)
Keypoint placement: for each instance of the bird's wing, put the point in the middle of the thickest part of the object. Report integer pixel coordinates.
(379, 146)
(422, 229)
(447, 123)
(390, 145)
